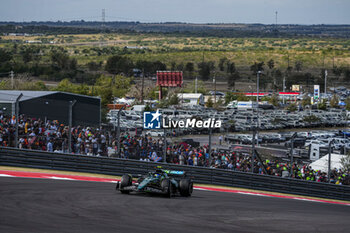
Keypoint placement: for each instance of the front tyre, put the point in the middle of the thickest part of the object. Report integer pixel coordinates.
(125, 182)
(167, 187)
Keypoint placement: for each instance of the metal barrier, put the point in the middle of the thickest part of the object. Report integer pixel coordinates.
(114, 166)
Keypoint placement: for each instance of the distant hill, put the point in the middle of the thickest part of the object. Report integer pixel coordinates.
(217, 30)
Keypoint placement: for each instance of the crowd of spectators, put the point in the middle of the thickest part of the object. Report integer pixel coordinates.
(53, 136)
(151, 149)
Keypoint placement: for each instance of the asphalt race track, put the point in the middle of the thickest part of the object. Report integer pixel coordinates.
(43, 205)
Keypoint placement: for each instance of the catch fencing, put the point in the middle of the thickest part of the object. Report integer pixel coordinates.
(116, 166)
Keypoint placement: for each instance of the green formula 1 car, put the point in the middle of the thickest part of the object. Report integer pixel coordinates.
(165, 182)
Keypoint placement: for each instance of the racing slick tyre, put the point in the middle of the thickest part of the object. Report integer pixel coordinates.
(167, 187)
(125, 182)
(186, 187)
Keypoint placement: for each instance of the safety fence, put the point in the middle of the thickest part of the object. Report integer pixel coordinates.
(115, 166)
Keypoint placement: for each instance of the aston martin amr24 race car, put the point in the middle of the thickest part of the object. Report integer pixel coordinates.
(165, 182)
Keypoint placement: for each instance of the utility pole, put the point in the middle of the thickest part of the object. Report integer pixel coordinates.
(17, 119)
(142, 86)
(118, 130)
(165, 146)
(346, 121)
(284, 87)
(103, 17)
(292, 154)
(12, 79)
(214, 80)
(325, 83)
(329, 159)
(103, 25)
(276, 18)
(253, 151)
(257, 105)
(196, 85)
(209, 146)
(71, 104)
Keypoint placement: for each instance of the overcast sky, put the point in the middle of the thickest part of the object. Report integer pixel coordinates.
(191, 11)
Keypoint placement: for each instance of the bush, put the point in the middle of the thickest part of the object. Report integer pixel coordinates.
(292, 107)
(306, 101)
(209, 103)
(310, 119)
(322, 105)
(347, 102)
(334, 103)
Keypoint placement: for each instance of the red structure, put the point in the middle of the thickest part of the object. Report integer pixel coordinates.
(255, 94)
(168, 79)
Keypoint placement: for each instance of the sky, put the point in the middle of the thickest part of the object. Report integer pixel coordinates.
(189, 11)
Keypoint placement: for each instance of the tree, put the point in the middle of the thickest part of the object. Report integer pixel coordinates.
(221, 64)
(66, 86)
(189, 67)
(27, 55)
(337, 71)
(298, 65)
(109, 87)
(73, 63)
(218, 104)
(174, 99)
(241, 97)
(231, 67)
(148, 108)
(158, 65)
(229, 97)
(5, 56)
(205, 69)
(346, 72)
(306, 101)
(59, 59)
(257, 67)
(119, 64)
(232, 78)
(93, 66)
(347, 102)
(322, 105)
(334, 103)
(271, 64)
(274, 100)
(209, 103)
(173, 66)
(180, 66)
(345, 163)
(292, 107)
(278, 77)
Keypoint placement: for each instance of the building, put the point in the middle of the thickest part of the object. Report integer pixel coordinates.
(53, 105)
(191, 99)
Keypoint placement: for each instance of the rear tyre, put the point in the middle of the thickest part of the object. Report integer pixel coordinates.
(186, 187)
(125, 182)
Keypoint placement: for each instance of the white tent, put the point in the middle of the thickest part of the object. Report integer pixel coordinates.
(191, 98)
(322, 163)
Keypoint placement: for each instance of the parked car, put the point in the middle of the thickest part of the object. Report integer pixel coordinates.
(298, 143)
